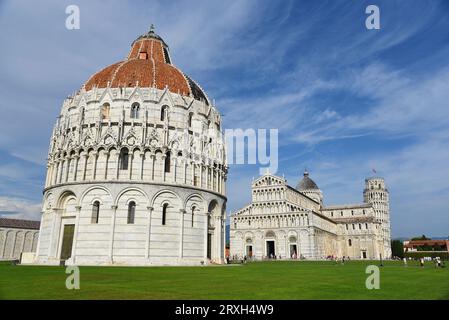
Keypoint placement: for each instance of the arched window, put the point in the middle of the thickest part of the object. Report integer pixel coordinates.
(193, 214)
(190, 119)
(105, 109)
(135, 108)
(82, 114)
(95, 211)
(131, 212)
(164, 111)
(350, 242)
(164, 213)
(167, 162)
(124, 159)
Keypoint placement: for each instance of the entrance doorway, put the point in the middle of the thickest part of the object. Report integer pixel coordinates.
(67, 241)
(293, 251)
(249, 251)
(363, 254)
(270, 249)
(209, 243)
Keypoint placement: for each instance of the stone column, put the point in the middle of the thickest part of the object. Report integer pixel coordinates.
(175, 165)
(106, 165)
(75, 234)
(223, 241)
(148, 233)
(94, 166)
(48, 174)
(61, 170)
(75, 169)
(185, 171)
(53, 234)
(111, 240)
(286, 247)
(181, 234)
(40, 232)
(55, 171)
(86, 156)
(117, 168)
(142, 161)
(206, 234)
(163, 167)
(224, 185)
(67, 170)
(153, 158)
(217, 236)
(130, 165)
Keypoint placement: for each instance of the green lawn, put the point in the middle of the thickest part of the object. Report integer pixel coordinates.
(259, 280)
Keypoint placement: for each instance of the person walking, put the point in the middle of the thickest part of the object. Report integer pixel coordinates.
(421, 262)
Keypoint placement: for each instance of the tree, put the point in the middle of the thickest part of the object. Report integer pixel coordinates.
(423, 237)
(397, 248)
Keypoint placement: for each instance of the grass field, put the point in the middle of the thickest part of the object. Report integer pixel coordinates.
(258, 280)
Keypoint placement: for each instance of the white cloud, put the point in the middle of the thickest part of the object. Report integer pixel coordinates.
(402, 106)
(19, 208)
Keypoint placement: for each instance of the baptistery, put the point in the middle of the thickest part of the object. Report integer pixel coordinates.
(136, 171)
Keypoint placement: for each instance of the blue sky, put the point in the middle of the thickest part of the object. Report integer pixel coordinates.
(345, 99)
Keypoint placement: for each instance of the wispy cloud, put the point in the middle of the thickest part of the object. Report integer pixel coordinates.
(19, 208)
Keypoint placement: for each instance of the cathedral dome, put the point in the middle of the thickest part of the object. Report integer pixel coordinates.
(148, 65)
(306, 183)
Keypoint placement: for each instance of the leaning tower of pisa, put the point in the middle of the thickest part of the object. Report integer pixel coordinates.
(377, 194)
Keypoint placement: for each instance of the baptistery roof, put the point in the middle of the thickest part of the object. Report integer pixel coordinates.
(148, 65)
(306, 183)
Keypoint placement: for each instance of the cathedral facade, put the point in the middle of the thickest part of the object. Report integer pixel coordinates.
(137, 169)
(293, 223)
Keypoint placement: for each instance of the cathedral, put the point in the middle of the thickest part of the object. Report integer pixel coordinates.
(283, 222)
(136, 171)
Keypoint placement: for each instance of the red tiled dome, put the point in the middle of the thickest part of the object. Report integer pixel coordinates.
(148, 65)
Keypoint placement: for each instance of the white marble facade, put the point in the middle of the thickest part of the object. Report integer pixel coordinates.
(136, 174)
(293, 223)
